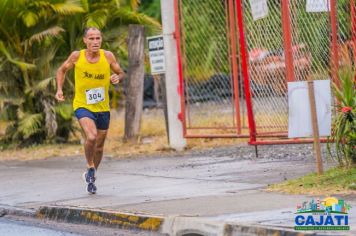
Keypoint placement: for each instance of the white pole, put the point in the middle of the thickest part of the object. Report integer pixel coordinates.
(175, 127)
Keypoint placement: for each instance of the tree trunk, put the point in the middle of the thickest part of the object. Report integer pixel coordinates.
(134, 89)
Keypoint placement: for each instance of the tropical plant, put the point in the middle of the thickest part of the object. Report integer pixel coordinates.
(29, 41)
(151, 8)
(35, 37)
(344, 123)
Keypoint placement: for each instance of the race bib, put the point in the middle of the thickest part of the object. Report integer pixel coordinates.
(95, 95)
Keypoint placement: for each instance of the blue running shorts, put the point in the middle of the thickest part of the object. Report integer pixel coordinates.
(101, 119)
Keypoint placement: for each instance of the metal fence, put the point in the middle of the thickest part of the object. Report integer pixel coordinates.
(207, 43)
(235, 66)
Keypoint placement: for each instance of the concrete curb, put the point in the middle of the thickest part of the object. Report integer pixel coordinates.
(9, 210)
(101, 218)
(247, 230)
(172, 225)
(199, 226)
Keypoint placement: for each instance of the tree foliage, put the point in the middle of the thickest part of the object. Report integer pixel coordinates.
(151, 8)
(35, 37)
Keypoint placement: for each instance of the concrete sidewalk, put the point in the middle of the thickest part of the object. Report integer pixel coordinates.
(216, 192)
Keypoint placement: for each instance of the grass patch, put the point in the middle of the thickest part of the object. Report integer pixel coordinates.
(334, 181)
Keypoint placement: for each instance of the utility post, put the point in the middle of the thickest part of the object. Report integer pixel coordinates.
(176, 139)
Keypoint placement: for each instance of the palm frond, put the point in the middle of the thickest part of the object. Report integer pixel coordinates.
(4, 6)
(85, 5)
(152, 9)
(11, 98)
(29, 18)
(47, 56)
(8, 74)
(11, 130)
(54, 31)
(41, 4)
(44, 84)
(20, 114)
(97, 19)
(116, 37)
(4, 50)
(5, 83)
(30, 124)
(129, 16)
(21, 64)
(117, 2)
(2, 62)
(134, 4)
(70, 7)
(64, 110)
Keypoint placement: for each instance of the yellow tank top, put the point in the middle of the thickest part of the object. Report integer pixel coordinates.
(92, 81)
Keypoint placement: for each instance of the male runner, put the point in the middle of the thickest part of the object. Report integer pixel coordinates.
(92, 67)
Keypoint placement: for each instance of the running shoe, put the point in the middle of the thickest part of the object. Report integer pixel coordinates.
(89, 175)
(91, 188)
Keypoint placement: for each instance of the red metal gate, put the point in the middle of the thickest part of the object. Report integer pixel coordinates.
(209, 69)
(234, 69)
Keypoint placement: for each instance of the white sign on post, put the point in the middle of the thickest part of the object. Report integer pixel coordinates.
(259, 9)
(299, 122)
(317, 6)
(156, 54)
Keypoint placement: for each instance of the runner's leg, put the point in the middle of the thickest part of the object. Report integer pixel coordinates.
(90, 131)
(100, 140)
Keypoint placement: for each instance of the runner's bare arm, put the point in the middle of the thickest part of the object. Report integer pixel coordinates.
(61, 72)
(115, 67)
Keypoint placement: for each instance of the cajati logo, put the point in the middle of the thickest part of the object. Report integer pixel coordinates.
(327, 214)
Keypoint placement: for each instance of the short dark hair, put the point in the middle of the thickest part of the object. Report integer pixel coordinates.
(89, 28)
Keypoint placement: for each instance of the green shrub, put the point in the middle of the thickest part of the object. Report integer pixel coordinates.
(344, 123)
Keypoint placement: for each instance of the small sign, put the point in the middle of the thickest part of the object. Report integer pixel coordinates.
(329, 214)
(156, 54)
(317, 6)
(259, 9)
(95, 95)
(299, 121)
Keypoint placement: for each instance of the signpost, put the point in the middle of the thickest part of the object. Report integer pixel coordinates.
(310, 112)
(156, 53)
(259, 9)
(299, 122)
(317, 6)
